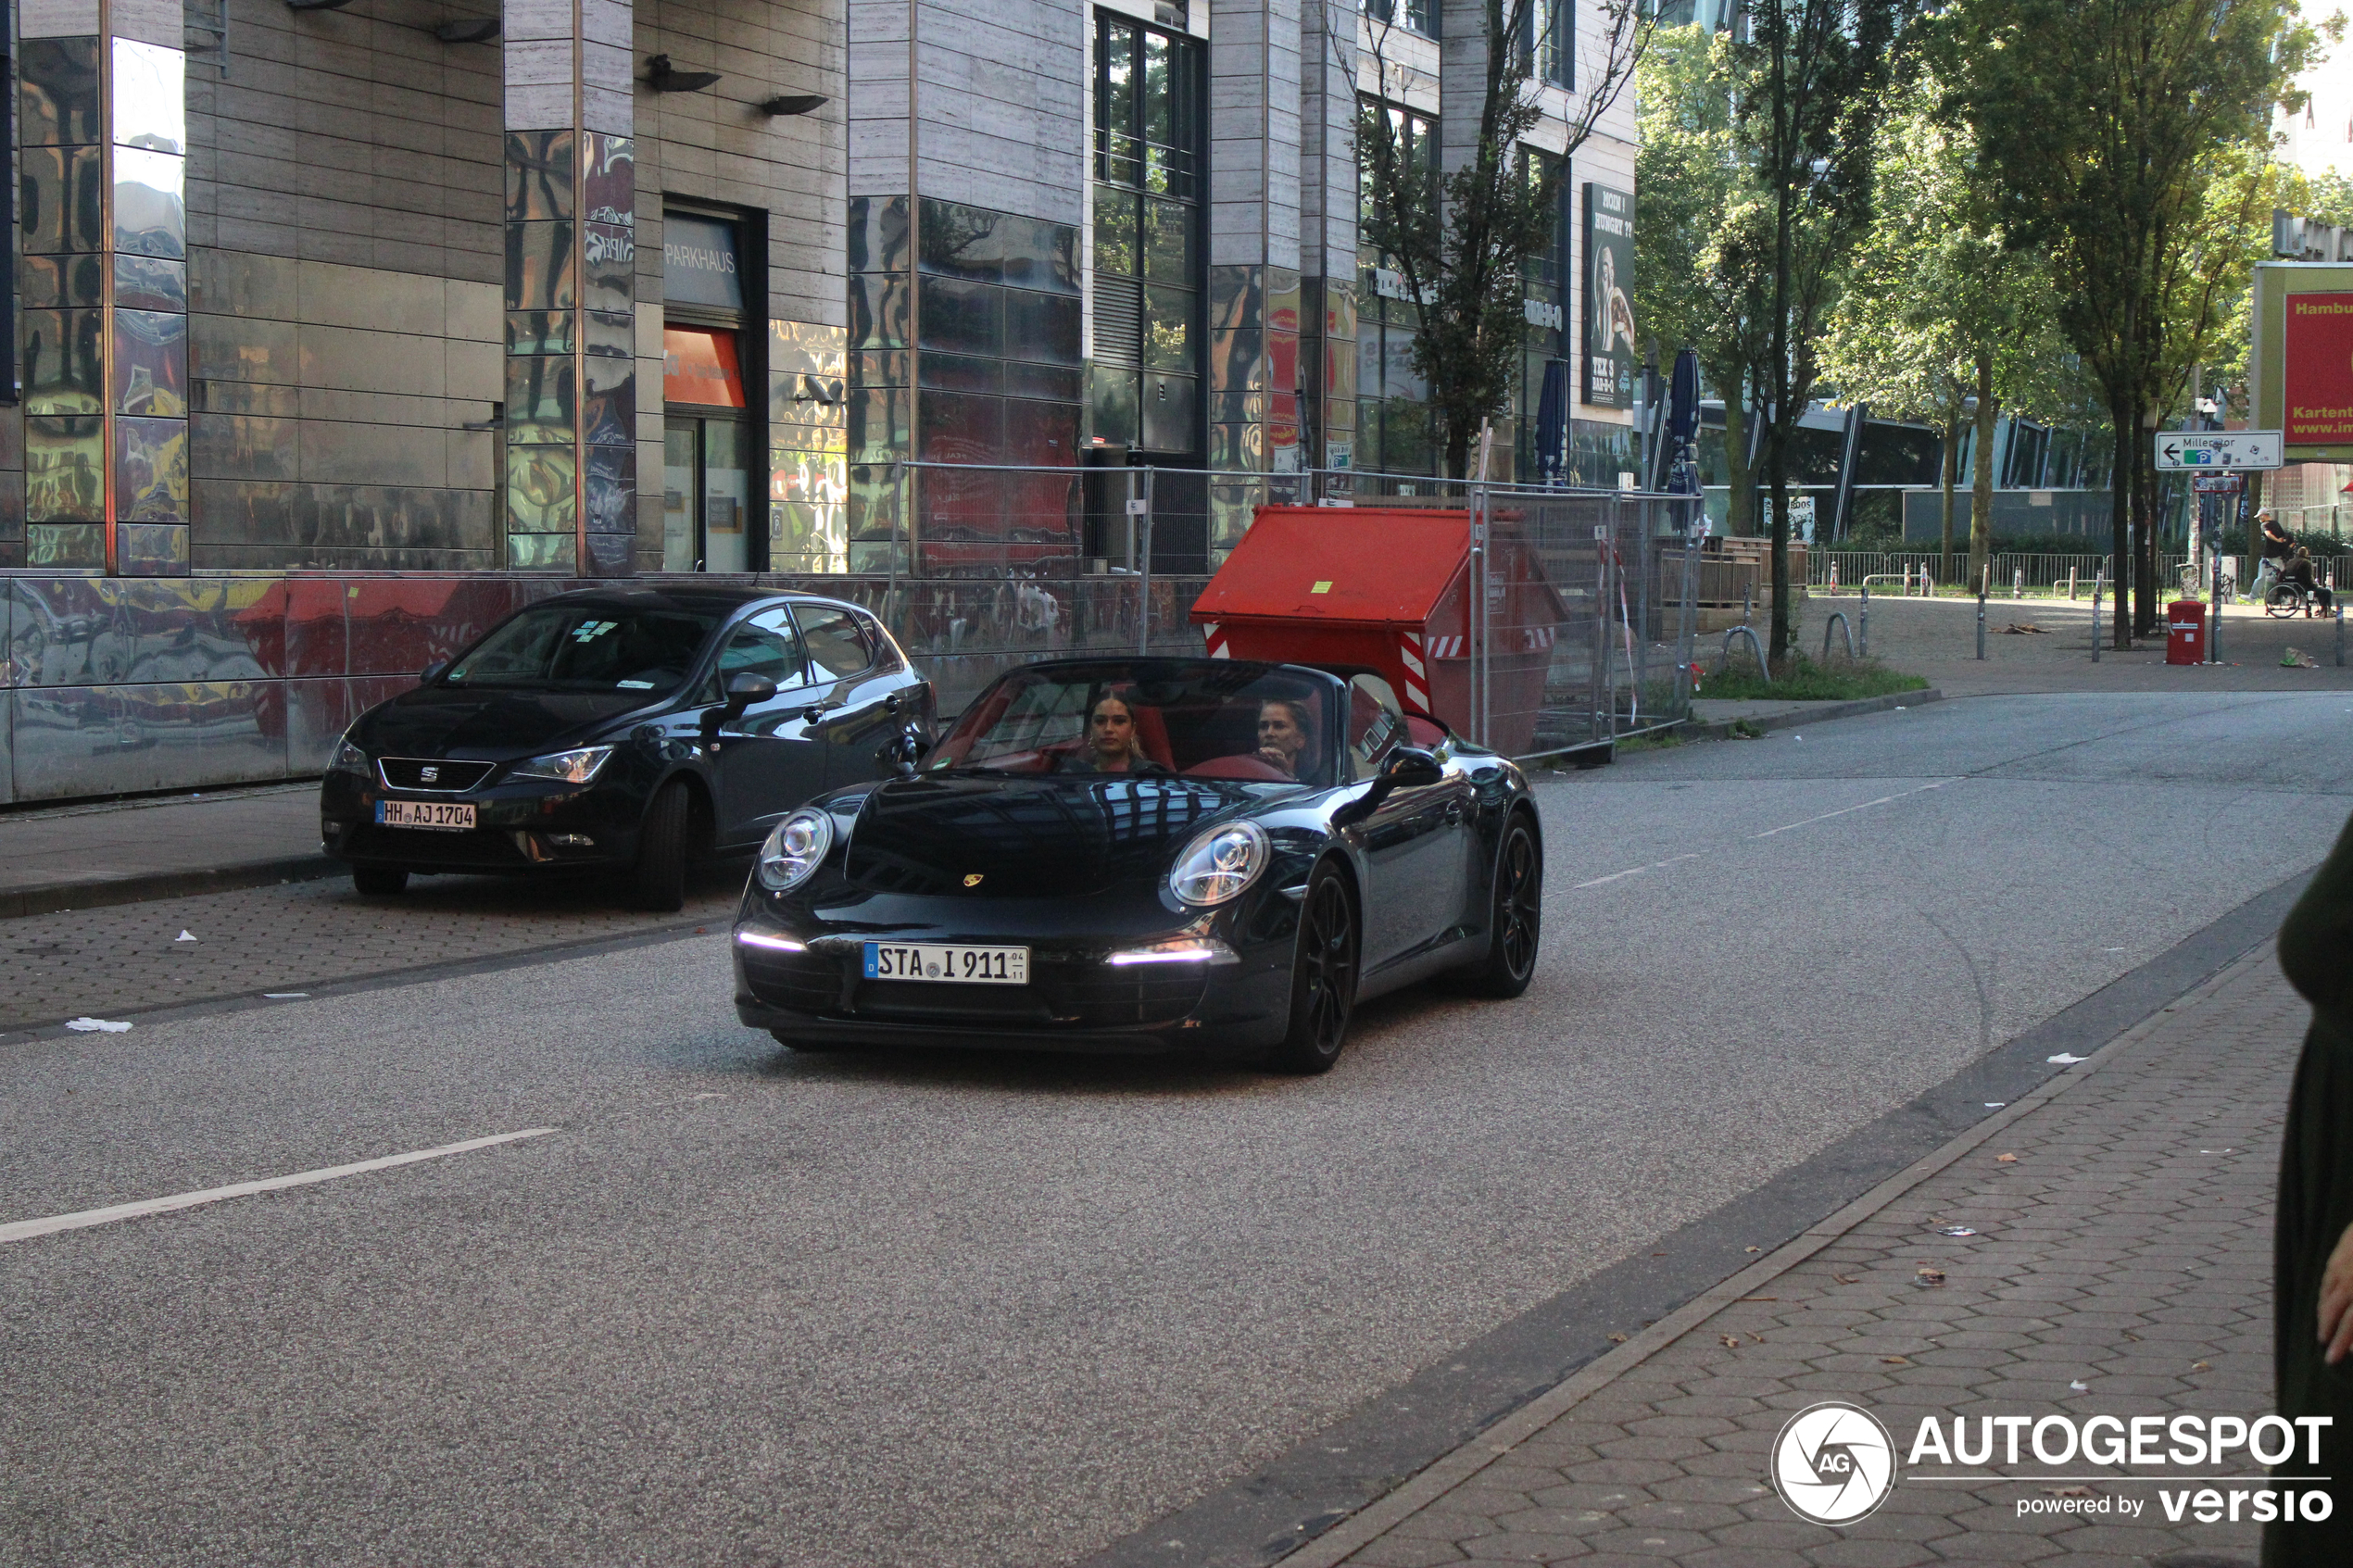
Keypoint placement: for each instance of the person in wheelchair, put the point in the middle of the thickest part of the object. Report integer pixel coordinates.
(2297, 573)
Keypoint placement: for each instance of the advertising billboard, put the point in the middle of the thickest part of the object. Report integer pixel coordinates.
(1610, 355)
(2303, 369)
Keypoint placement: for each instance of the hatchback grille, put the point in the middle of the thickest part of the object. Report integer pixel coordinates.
(432, 774)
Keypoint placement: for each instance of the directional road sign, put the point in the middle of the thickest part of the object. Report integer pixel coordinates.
(2218, 449)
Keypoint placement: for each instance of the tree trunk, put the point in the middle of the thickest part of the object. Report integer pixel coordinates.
(2145, 614)
(2126, 421)
(1980, 506)
(1950, 475)
(1777, 471)
(1740, 511)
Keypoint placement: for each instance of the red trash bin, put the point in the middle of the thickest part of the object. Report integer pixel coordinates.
(2186, 632)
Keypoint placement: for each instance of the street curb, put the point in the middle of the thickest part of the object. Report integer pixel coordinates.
(56, 897)
(1368, 1524)
(1723, 728)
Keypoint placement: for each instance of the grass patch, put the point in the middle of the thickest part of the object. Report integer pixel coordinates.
(1799, 679)
(1651, 740)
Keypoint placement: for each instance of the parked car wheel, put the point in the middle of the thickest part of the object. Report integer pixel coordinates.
(1515, 918)
(659, 880)
(1323, 977)
(379, 881)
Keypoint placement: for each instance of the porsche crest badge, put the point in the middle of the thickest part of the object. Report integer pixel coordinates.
(972, 879)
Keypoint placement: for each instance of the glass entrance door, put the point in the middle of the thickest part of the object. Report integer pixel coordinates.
(706, 494)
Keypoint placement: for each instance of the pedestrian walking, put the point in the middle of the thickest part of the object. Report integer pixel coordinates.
(2312, 1241)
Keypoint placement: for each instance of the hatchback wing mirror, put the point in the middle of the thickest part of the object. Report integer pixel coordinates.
(431, 673)
(744, 691)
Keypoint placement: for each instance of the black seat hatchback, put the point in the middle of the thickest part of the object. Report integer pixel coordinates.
(628, 729)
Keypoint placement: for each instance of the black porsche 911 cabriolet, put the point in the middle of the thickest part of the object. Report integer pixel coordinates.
(1146, 854)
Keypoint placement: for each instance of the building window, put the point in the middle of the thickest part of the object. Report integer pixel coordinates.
(1553, 32)
(1147, 252)
(1416, 15)
(1392, 414)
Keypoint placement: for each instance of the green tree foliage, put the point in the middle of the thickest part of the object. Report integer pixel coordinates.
(1815, 74)
(1461, 236)
(2104, 124)
(1942, 320)
(1701, 233)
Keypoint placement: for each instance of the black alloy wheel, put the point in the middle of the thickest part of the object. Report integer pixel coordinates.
(1515, 921)
(658, 882)
(1323, 977)
(379, 881)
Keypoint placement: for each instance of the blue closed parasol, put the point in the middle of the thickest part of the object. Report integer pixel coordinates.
(1551, 423)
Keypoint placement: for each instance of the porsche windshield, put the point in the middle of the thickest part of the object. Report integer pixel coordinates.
(587, 649)
(1210, 721)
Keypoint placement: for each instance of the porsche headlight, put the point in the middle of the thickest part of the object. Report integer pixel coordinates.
(572, 767)
(1219, 864)
(347, 759)
(794, 849)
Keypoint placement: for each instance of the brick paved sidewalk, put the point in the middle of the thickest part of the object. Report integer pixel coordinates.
(2126, 1248)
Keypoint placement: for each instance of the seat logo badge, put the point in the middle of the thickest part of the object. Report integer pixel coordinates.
(972, 879)
(429, 774)
(1834, 1464)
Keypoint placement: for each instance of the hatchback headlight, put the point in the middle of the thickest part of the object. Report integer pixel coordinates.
(347, 759)
(793, 850)
(577, 766)
(1216, 866)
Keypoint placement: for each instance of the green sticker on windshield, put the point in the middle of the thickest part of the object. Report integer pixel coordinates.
(589, 631)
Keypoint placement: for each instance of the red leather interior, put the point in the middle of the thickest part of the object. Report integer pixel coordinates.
(1245, 769)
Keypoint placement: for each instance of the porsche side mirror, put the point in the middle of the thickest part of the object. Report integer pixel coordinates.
(431, 673)
(1410, 767)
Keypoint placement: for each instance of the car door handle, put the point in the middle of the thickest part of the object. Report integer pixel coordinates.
(815, 712)
(1455, 811)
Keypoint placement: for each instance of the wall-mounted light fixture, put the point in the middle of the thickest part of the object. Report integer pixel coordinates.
(464, 30)
(316, 4)
(794, 103)
(664, 78)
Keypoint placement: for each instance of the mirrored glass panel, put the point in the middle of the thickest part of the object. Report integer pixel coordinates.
(609, 180)
(150, 363)
(541, 552)
(879, 368)
(64, 469)
(1046, 328)
(50, 281)
(1115, 231)
(1168, 322)
(542, 400)
(539, 331)
(151, 549)
(878, 233)
(957, 373)
(1117, 416)
(963, 242)
(1171, 412)
(150, 208)
(878, 310)
(1055, 382)
(608, 412)
(63, 198)
(878, 425)
(151, 469)
(539, 489)
(539, 176)
(543, 269)
(64, 363)
(1168, 243)
(57, 92)
(611, 555)
(958, 428)
(610, 332)
(71, 546)
(608, 267)
(963, 318)
(1039, 255)
(146, 283)
(150, 96)
(1041, 434)
(613, 489)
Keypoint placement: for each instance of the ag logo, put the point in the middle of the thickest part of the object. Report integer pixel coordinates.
(1834, 1464)
(972, 879)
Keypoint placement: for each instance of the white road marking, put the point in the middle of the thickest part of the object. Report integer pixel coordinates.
(1842, 811)
(1620, 876)
(24, 1230)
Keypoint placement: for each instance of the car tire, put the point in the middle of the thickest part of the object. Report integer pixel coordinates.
(1515, 916)
(1323, 977)
(379, 881)
(658, 882)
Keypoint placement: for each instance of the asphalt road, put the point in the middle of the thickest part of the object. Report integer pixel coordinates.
(746, 1308)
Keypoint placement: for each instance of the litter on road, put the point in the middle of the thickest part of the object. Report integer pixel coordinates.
(2066, 1058)
(184, 936)
(96, 1025)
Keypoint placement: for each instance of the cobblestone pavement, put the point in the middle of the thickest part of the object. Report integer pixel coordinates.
(296, 935)
(2121, 1266)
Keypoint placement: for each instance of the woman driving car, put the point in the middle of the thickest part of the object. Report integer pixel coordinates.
(1283, 733)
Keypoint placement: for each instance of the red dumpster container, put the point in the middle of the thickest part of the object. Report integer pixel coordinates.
(2186, 632)
(1390, 589)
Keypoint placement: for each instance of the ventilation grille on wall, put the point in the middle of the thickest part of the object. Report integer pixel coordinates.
(1119, 321)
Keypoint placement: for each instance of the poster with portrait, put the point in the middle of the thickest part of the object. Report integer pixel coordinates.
(1610, 354)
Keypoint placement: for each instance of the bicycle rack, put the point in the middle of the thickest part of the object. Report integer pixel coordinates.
(1764, 671)
(1837, 618)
